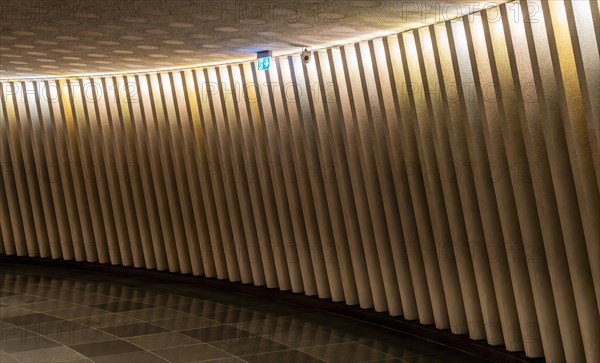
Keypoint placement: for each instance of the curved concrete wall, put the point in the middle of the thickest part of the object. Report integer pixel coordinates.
(448, 174)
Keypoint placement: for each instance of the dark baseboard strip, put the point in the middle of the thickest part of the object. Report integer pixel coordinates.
(445, 337)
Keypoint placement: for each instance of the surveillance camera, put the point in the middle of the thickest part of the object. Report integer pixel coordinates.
(306, 55)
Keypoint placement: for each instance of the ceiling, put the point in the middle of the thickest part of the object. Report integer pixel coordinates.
(68, 37)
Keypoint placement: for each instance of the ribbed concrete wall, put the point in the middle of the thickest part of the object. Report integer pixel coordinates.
(448, 174)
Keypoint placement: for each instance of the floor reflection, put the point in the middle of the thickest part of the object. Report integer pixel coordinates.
(61, 315)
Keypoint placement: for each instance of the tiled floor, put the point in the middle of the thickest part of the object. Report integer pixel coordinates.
(60, 315)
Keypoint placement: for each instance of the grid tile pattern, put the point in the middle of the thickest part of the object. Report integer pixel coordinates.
(56, 315)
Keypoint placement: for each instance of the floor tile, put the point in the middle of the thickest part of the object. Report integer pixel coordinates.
(12, 332)
(388, 360)
(110, 347)
(10, 311)
(80, 336)
(120, 306)
(216, 333)
(185, 322)
(92, 299)
(223, 360)
(135, 329)
(299, 337)
(52, 329)
(444, 357)
(7, 358)
(159, 299)
(359, 331)
(345, 352)
(233, 316)
(190, 353)
(45, 312)
(78, 312)
(29, 342)
(405, 346)
(276, 308)
(30, 319)
(268, 326)
(247, 346)
(106, 320)
(200, 307)
(162, 340)
(49, 355)
(21, 299)
(132, 357)
(156, 313)
(58, 294)
(288, 356)
(49, 305)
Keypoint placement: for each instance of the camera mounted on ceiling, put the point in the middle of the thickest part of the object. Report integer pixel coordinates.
(306, 55)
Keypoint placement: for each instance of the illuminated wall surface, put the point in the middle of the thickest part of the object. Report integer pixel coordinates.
(449, 175)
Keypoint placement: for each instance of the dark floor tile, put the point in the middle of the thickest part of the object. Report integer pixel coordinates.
(163, 340)
(299, 337)
(29, 342)
(233, 316)
(199, 307)
(216, 333)
(269, 326)
(322, 318)
(115, 290)
(93, 299)
(345, 352)
(445, 357)
(359, 331)
(165, 299)
(132, 357)
(12, 332)
(185, 322)
(78, 312)
(95, 276)
(156, 313)
(288, 356)
(191, 353)
(276, 308)
(405, 346)
(223, 360)
(109, 347)
(22, 320)
(193, 292)
(252, 345)
(135, 329)
(52, 329)
(120, 306)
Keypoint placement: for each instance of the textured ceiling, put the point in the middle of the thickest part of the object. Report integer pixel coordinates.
(60, 38)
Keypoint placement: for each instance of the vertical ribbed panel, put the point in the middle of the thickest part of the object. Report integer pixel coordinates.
(448, 174)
